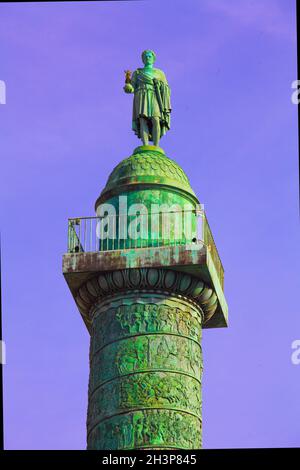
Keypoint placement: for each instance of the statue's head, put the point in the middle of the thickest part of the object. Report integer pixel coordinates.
(148, 57)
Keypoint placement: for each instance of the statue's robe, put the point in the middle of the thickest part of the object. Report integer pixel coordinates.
(146, 102)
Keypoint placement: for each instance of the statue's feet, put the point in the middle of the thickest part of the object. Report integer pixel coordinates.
(145, 148)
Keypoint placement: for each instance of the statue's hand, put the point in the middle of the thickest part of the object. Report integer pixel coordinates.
(128, 88)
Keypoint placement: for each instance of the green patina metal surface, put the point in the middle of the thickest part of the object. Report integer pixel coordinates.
(151, 103)
(145, 356)
(148, 165)
(145, 305)
(146, 369)
(149, 178)
(145, 316)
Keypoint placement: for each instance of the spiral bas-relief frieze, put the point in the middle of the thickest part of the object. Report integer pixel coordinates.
(149, 333)
(145, 369)
(147, 429)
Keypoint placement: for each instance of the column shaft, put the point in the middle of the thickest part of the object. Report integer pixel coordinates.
(145, 372)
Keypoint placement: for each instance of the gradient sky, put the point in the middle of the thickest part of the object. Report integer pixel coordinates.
(67, 123)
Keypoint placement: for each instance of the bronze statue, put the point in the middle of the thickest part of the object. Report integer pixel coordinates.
(151, 103)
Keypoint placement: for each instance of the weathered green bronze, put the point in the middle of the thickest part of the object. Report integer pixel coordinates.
(145, 308)
(151, 104)
(145, 381)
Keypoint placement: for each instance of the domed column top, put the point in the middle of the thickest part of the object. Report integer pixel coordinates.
(148, 166)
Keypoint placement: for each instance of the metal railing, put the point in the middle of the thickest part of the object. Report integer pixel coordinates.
(210, 243)
(123, 232)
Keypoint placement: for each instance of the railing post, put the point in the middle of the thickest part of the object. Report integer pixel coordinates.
(69, 236)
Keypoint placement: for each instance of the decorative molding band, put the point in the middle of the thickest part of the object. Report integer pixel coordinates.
(157, 280)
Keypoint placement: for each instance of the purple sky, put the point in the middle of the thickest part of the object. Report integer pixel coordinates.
(67, 123)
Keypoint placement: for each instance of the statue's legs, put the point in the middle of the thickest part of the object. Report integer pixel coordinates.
(144, 131)
(155, 130)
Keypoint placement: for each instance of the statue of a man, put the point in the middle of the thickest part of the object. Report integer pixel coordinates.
(151, 104)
